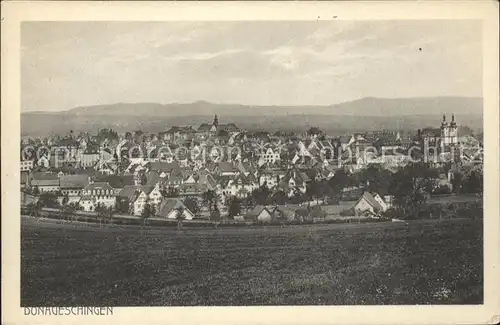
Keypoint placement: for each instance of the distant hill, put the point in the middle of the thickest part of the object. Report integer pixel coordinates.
(365, 106)
(377, 113)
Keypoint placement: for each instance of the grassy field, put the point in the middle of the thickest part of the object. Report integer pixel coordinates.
(438, 262)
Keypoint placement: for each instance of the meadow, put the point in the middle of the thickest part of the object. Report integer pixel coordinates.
(420, 262)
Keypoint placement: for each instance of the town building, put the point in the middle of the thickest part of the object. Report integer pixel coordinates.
(215, 127)
(370, 204)
(26, 165)
(438, 140)
(45, 182)
(171, 207)
(97, 194)
(72, 186)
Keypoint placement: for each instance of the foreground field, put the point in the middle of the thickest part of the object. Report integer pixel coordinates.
(384, 263)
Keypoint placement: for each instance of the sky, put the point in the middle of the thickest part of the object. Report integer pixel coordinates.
(70, 64)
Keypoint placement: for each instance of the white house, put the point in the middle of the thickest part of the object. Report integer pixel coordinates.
(271, 178)
(293, 181)
(259, 213)
(137, 196)
(369, 204)
(95, 194)
(170, 208)
(240, 186)
(270, 156)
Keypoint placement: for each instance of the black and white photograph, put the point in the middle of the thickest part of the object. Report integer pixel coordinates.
(202, 163)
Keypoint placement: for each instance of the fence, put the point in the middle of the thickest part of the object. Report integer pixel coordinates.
(116, 219)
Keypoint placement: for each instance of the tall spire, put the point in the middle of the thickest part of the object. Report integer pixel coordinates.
(444, 124)
(453, 123)
(216, 121)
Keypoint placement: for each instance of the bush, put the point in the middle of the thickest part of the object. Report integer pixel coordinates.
(392, 213)
(347, 212)
(473, 210)
(443, 189)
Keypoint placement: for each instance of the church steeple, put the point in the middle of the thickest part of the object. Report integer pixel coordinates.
(453, 123)
(444, 124)
(216, 121)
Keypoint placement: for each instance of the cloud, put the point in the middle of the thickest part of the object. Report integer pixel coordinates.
(65, 64)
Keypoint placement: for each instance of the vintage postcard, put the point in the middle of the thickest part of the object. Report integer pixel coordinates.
(260, 163)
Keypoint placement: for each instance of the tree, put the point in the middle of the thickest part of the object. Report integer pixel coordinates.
(456, 182)
(279, 197)
(68, 209)
(261, 195)
(314, 131)
(337, 183)
(473, 182)
(65, 199)
(324, 191)
(179, 216)
(104, 213)
(312, 191)
(108, 134)
(298, 197)
(144, 179)
(375, 179)
(436, 210)
(122, 205)
(34, 208)
(148, 211)
(211, 200)
(192, 204)
(49, 200)
(215, 216)
(234, 207)
(411, 187)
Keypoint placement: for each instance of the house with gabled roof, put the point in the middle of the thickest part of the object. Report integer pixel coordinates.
(170, 207)
(294, 180)
(260, 213)
(227, 169)
(369, 204)
(138, 195)
(246, 168)
(270, 155)
(240, 186)
(271, 177)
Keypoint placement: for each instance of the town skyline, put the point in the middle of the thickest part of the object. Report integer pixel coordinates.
(67, 65)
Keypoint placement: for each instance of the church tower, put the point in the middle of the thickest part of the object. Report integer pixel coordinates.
(453, 131)
(216, 121)
(444, 133)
